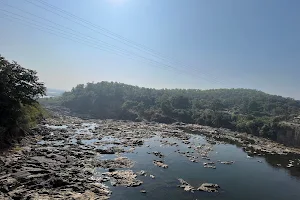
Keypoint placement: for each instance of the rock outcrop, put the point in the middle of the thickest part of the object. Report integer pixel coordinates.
(209, 187)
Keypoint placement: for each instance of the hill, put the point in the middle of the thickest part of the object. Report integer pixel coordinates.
(245, 110)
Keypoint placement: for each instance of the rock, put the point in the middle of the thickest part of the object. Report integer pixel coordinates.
(34, 170)
(105, 151)
(43, 160)
(99, 188)
(56, 182)
(159, 154)
(142, 173)
(210, 166)
(119, 162)
(113, 182)
(185, 185)
(131, 150)
(88, 170)
(209, 187)
(7, 183)
(160, 163)
(56, 157)
(111, 169)
(208, 163)
(186, 142)
(87, 195)
(17, 193)
(105, 179)
(290, 165)
(151, 176)
(36, 176)
(21, 175)
(205, 158)
(227, 162)
(124, 177)
(137, 142)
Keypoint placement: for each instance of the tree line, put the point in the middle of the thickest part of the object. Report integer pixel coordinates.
(244, 110)
(19, 109)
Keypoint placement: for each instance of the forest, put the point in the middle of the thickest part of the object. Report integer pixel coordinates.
(243, 110)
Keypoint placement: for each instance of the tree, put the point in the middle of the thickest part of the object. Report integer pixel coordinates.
(216, 105)
(18, 87)
(253, 106)
(180, 102)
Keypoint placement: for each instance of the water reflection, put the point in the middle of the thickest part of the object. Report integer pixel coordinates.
(282, 161)
(274, 160)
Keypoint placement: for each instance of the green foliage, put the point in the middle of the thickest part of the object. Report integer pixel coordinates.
(244, 110)
(19, 90)
(32, 114)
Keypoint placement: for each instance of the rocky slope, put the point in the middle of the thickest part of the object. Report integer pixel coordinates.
(289, 134)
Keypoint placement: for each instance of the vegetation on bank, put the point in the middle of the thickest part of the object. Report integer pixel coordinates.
(19, 109)
(244, 110)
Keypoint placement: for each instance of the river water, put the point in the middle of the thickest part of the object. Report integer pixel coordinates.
(247, 178)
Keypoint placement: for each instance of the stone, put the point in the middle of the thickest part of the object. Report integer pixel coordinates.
(142, 173)
(125, 178)
(227, 162)
(290, 165)
(209, 187)
(151, 176)
(210, 166)
(21, 175)
(160, 163)
(105, 151)
(17, 193)
(119, 162)
(7, 183)
(186, 186)
(159, 154)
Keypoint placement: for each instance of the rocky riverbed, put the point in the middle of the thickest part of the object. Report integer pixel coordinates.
(71, 158)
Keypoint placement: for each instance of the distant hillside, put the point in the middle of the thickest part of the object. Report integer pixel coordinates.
(252, 111)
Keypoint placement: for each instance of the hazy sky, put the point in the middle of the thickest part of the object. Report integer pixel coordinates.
(213, 43)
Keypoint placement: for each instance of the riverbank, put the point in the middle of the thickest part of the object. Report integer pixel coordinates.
(71, 158)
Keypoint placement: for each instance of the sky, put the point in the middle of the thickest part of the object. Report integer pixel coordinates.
(199, 44)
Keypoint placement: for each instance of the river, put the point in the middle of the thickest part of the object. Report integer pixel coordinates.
(249, 177)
